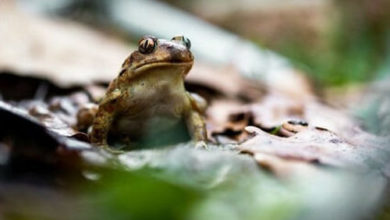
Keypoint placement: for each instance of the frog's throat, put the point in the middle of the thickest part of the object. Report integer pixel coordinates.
(147, 66)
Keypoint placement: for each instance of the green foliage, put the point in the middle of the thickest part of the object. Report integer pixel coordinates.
(137, 195)
(353, 49)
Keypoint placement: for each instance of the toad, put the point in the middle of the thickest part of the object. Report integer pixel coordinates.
(148, 95)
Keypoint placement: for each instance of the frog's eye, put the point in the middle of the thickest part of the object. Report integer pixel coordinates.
(183, 39)
(146, 45)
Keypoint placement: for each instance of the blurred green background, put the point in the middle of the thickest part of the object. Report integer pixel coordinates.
(335, 41)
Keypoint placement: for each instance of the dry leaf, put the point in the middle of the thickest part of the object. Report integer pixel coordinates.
(313, 145)
(64, 52)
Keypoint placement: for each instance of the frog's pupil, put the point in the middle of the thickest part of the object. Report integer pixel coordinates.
(147, 44)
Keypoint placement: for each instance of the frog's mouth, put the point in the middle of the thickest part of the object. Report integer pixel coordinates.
(151, 65)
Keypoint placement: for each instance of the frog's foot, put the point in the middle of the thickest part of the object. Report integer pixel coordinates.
(85, 116)
(198, 102)
(107, 148)
(201, 145)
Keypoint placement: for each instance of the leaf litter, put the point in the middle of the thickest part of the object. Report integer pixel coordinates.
(250, 170)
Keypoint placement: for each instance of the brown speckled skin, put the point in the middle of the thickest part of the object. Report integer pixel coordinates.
(150, 87)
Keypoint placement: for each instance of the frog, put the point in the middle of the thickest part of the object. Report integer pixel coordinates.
(149, 94)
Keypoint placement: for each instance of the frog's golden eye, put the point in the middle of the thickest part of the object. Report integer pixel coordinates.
(146, 45)
(184, 40)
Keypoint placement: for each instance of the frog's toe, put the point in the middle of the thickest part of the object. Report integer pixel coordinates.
(108, 148)
(201, 145)
(112, 150)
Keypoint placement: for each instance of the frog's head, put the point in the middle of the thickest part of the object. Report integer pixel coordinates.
(155, 53)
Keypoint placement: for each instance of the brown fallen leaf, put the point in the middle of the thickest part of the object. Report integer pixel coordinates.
(219, 123)
(312, 145)
(50, 120)
(284, 168)
(227, 116)
(276, 108)
(29, 147)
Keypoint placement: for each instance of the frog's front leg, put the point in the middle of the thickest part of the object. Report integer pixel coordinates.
(103, 119)
(101, 125)
(197, 128)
